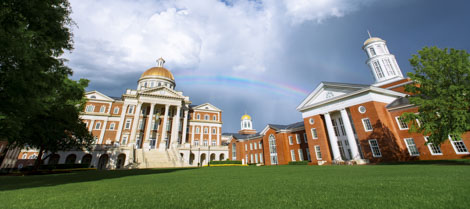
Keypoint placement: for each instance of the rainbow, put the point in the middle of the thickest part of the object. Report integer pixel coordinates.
(276, 87)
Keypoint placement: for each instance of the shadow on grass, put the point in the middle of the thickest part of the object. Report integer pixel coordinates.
(22, 182)
(430, 162)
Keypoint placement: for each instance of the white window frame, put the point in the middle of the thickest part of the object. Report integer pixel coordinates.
(292, 155)
(318, 152)
(198, 130)
(206, 117)
(131, 109)
(128, 122)
(97, 126)
(206, 130)
(214, 131)
(260, 158)
(301, 155)
(314, 133)
(214, 118)
(455, 146)
(213, 142)
(372, 148)
(297, 138)
(198, 117)
(430, 147)
(246, 147)
(409, 146)
(308, 154)
(112, 126)
(102, 109)
(291, 141)
(305, 138)
(196, 142)
(364, 123)
(256, 145)
(90, 108)
(116, 110)
(124, 139)
(400, 122)
(251, 146)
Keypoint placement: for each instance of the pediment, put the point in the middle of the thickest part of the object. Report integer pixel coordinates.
(207, 107)
(328, 91)
(95, 95)
(162, 91)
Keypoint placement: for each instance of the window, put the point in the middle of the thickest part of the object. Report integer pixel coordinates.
(197, 130)
(33, 156)
(124, 140)
(434, 149)
(401, 124)
(272, 149)
(196, 143)
(168, 126)
(206, 130)
(205, 143)
(311, 121)
(335, 127)
(198, 117)
(131, 109)
(251, 158)
(378, 70)
(361, 109)
(251, 146)
(24, 156)
(111, 126)
(260, 145)
(388, 66)
(459, 146)
(341, 125)
(305, 138)
(372, 51)
(260, 158)
(234, 151)
(98, 125)
(128, 124)
(256, 158)
(297, 138)
(256, 145)
(292, 155)
(116, 110)
(367, 124)
(141, 124)
(206, 117)
(301, 155)
(246, 147)
(90, 108)
(291, 142)
(314, 133)
(341, 149)
(308, 154)
(213, 142)
(318, 152)
(213, 130)
(412, 149)
(102, 109)
(155, 124)
(374, 147)
(214, 117)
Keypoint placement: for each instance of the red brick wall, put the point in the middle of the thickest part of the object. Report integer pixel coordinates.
(322, 141)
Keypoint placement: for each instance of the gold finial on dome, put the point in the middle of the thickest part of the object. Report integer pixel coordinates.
(246, 117)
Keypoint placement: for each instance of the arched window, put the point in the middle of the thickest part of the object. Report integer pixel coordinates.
(272, 149)
(93, 97)
(198, 117)
(24, 156)
(234, 151)
(206, 130)
(214, 117)
(102, 109)
(111, 126)
(197, 130)
(206, 117)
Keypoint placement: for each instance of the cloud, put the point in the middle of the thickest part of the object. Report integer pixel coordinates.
(118, 39)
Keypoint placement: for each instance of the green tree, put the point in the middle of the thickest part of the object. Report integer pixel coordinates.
(441, 91)
(39, 104)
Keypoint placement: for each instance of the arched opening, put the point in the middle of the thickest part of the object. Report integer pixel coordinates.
(71, 159)
(120, 161)
(54, 159)
(203, 159)
(221, 157)
(212, 157)
(191, 159)
(182, 155)
(86, 159)
(103, 162)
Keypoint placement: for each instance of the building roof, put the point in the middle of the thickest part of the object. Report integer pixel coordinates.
(287, 127)
(372, 39)
(398, 103)
(246, 116)
(158, 71)
(243, 136)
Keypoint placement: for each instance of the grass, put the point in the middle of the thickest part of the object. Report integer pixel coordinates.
(371, 186)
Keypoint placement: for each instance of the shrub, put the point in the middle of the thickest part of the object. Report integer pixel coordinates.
(298, 163)
(226, 162)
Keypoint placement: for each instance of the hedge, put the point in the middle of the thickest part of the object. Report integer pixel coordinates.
(226, 162)
(298, 163)
(57, 166)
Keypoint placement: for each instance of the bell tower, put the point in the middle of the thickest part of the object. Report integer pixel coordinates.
(246, 125)
(383, 65)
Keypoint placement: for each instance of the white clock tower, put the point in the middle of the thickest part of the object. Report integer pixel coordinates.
(383, 65)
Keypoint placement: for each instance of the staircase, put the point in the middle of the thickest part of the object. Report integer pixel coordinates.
(154, 158)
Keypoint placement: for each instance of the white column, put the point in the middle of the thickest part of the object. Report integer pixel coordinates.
(350, 135)
(103, 129)
(218, 136)
(332, 137)
(185, 125)
(121, 122)
(210, 136)
(165, 119)
(175, 126)
(149, 122)
(90, 128)
(135, 123)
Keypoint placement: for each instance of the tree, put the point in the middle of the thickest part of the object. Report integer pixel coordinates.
(441, 91)
(39, 104)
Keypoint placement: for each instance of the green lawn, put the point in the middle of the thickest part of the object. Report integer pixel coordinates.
(371, 186)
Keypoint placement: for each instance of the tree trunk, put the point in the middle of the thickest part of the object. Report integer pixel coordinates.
(37, 163)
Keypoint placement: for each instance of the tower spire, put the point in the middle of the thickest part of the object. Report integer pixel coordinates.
(160, 62)
(368, 32)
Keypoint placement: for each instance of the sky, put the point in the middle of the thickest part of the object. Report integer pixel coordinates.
(260, 57)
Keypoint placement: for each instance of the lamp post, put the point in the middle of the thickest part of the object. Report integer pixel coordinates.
(209, 157)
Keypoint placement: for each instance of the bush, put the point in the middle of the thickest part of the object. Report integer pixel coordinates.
(58, 166)
(226, 162)
(298, 163)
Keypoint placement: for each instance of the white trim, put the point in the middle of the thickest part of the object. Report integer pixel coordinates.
(455, 148)
(292, 155)
(408, 146)
(365, 126)
(372, 148)
(430, 148)
(318, 152)
(314, 136)
(399, 123)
